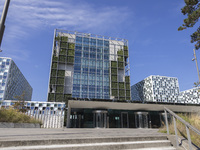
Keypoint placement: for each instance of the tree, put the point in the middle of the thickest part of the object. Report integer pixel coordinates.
(20, 103)
(192, 10)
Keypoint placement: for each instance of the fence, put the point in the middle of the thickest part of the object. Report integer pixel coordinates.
(187, 125)
(49, 118)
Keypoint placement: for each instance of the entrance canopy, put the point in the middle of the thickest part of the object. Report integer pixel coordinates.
(131, 106)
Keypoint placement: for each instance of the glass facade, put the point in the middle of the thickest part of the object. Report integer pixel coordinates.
(88, 66)
(12, 81)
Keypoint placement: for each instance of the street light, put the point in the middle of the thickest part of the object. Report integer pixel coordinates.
(195, 59)
(3, 19)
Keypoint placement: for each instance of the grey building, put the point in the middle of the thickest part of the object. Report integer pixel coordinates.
(12, 81)
(191, 96)
(88, 66)
(156, 89)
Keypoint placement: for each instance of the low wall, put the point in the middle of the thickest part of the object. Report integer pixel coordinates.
(19, 125)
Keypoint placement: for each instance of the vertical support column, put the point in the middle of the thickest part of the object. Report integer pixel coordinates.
(68, 116)
(175, 129)
(189, 139)
(166, 122)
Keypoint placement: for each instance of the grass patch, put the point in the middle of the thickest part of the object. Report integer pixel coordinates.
(14, 116)
(192, 119)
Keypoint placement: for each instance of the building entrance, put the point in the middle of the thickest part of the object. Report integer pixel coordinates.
(100, 118)
(141, 119)
(124, 120)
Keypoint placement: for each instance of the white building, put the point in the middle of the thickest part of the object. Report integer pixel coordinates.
(156, 89)
(191, 96)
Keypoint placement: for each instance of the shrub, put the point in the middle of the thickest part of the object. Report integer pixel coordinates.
(60, 81)
(52, 80)
(121, 85)
(13, 115)
(71, 46)
(114, 64)
(193, 119)
(61, 73)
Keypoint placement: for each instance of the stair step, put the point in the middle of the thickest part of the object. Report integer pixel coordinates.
(98, 146)
(78, 141)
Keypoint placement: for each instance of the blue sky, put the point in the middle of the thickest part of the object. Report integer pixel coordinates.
(155, 45)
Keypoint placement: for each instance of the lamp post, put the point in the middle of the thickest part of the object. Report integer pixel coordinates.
(195, 58)
(3, 19)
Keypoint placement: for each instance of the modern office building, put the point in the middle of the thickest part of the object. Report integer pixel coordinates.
(12, 81)
(191, 96)
(89, 66)
(156, 89)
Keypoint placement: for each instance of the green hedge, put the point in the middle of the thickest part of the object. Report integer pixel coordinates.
(59, 97)
(114, 64)
(120, 58)
(63, 51)
(114, 78)
(59, 89)
(52, 80)
(128, 98)
(60, 81)
(54, 65)
(61, 73)
(62, 58)
(122, 98)
(128, 93)
(55, 58)
(127, 79)
(53, 72)
(125, 47)
(114, 71)
(121, 85)
(70, 59)
(64, 38)
(71, 46)
(121, 93)
(120, 64)
(126, 53)
(57, 38)
(114, 85)
(120, 52)
(51, 97)
(63, 44)
(114, 92)
(70, 52)
(128, 86)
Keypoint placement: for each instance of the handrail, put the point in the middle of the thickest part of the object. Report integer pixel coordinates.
(184, 122)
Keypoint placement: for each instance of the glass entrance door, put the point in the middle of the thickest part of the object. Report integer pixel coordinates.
(100, 118)
(124, 120)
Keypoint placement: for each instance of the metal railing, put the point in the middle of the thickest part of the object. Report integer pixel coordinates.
(187, 125)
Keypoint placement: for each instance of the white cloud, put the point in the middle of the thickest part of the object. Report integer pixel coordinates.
(36, 14)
